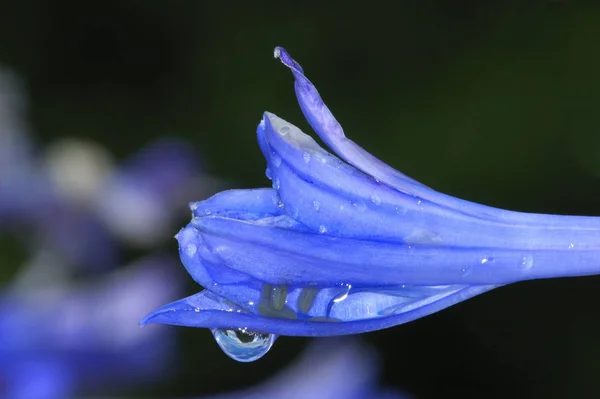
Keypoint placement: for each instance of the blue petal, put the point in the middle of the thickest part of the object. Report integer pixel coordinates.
(207, 310)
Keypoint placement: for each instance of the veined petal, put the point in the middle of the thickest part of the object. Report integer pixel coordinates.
(330, 131)
(324, 193)
(343, 248)
(281, 256)
(328, 128)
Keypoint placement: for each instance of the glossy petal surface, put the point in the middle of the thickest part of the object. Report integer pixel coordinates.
(346, 244)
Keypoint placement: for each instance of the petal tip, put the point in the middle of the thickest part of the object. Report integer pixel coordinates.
(287, 60)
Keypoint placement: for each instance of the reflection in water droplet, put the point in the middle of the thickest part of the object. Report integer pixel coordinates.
(306, 299)
(376, 200)
(306, 157)
(243, 345)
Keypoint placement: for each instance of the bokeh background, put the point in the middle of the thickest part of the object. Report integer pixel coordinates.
(494, 102)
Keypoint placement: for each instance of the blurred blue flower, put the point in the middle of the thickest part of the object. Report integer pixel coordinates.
(59, 340)
(68, 318)
(328, 369)
(72, 189)
(350, 245)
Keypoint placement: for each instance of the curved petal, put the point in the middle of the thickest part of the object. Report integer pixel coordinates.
(324, 193)
(240, 204)
(207, 310)
(327, 127)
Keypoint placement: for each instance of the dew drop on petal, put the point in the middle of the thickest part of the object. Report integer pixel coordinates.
(276, 184)
(268, 173)
(360, 206)
(376, 200)
(283, 130)
(317, 205)
(527, 262)
(243, 345)
(306, 157)
(322, 229)
(191, 250)
(276, 159)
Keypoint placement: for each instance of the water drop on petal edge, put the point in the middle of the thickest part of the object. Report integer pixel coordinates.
(243, 345)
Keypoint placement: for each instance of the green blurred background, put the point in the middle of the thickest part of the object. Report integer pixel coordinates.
(491, 101)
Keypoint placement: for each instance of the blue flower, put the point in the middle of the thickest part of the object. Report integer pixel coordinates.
(349, 245)
(63, 339)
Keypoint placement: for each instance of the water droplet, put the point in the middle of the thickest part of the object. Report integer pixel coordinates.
(275, 200)
(191, 250)
(283, 130)
(276, 184)
(527, 262)
(400, 211)
(280, 204)
(360, 206)
(268, 173)
(423, 236)
(466, 271)
(276, 159)
(317, 205)
(342, 207)
(484, 261)
(344, 294)
(243, 345)
(306, 157)
(207, 211)
(571, 246)
(197, 310)
(322, 229)
(376, 200)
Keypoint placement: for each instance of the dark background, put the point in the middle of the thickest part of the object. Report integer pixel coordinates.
(494, 102)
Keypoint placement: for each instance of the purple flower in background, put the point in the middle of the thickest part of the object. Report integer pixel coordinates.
(327, 370)
(68, 319)
(349, 245)
(61, 339)
(73, 189)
